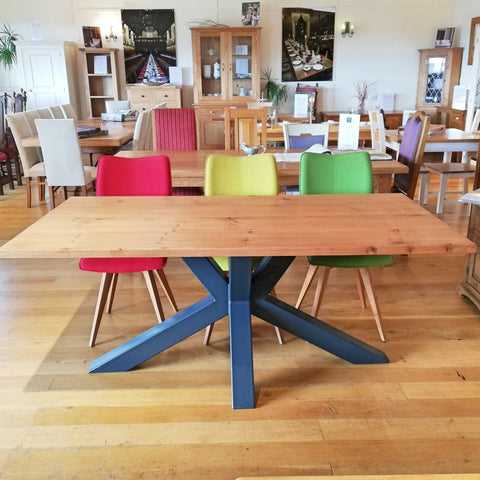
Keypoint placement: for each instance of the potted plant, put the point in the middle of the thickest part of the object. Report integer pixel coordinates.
(8, 53)
(276, 92)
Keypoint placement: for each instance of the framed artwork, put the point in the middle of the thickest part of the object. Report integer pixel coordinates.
(149, 45)
(92, 37)
(444, 38)
(307, 44)
(251, 14)
(474, 23)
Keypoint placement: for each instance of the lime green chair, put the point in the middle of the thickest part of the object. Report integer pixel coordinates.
(250, 175)
(343, 173)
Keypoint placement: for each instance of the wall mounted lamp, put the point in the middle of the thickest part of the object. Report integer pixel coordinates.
(111, 37)
(347, 29)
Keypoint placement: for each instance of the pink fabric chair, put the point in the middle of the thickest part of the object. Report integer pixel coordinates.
(118, 176)
(174, 129)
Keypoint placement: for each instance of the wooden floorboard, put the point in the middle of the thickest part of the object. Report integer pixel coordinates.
(171, 418)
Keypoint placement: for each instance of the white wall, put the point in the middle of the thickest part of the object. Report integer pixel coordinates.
(383, 51)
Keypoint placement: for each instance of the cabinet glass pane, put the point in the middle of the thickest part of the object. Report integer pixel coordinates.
(211, 66)
(242, 66)
(436, 69)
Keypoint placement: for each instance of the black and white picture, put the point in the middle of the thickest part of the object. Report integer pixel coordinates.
(307, 44)
(444, 38)
(149, 45)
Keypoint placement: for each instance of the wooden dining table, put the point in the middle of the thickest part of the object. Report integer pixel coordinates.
(119, 133)
(188, 167)
(277, 228)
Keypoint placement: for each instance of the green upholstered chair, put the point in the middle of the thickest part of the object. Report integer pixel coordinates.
(246, 175)
(331, 174)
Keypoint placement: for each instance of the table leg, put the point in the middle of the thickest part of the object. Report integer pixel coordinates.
(300, 324)
(241, 357)
(176, 328)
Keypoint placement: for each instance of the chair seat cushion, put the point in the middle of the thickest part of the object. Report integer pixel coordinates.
(352, 261)
(3, 157)
(37, 170)
(90, 174)
(121, 265)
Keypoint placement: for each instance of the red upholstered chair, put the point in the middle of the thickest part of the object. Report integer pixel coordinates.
(174, 129)
(118, 176)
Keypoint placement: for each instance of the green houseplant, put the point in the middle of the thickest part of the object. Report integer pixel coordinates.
(276, 92)
(8, 53)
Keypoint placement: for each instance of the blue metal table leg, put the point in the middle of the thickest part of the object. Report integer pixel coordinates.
(241, 357)
(300, 324)
(176, 328)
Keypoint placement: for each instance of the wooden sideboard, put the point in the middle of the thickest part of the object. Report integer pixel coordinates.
(392, 119)
(143, 98)
(451, 117)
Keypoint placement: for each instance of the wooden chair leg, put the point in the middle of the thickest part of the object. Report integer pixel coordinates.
(28, 187)
(111, 292)
(162, 278)
(312, 269)
(360, 287)
(41, 188)
(154, 296)
(278, 332)
(372, 299)
(208, 334)
(51, 194)
(100, 307)
(320, 290)
(442, 191)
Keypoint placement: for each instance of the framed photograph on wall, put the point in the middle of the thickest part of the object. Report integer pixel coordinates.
(444, 38)
(307, 44)
(92, 37)
(251, 14)
(149, 45)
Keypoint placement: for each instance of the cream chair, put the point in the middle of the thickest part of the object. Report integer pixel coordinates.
(31, 158)
(56, 112)
(115, 105)
(304, 135)
(69, 111)
(62, 157)
(377, 130)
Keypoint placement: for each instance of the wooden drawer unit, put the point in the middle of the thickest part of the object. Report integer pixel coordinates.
(451, 117)
(144, 98)
(210, 126)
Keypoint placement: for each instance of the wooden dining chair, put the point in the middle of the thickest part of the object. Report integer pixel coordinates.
(410, 154)
(345, 173)
(377, 130)
(119, 176)
(62, 156)
(245, 175)
(31, 158)
(241, 126)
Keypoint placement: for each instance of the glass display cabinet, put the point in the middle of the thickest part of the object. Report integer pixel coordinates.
(226, 72)
(438, 73)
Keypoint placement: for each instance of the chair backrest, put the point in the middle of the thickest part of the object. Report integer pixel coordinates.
(61, 152)
(406, 115)
(174, 129)
(247, 175)
(114, 105)
(30, 117)
(245, 127)
(142, 176)
(322, 173)
(411, 153)
(69, 111)
(56, 112)
(304, 135)
(142, 134)
(348, 131)
(377, 130)
(44, 113)
(20, 129)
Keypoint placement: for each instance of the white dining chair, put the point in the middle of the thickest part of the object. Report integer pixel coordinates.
(62, 157)
(304, 135)
(115, 105)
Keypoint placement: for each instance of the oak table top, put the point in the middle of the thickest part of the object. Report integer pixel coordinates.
(197, 226)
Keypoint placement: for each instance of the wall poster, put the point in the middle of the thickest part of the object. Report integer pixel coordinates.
(149, 45)
(307, 44)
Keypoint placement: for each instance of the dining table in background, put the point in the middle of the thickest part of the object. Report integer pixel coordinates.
(119, 133)
(197, 228)
(454, 140)
(188, 167)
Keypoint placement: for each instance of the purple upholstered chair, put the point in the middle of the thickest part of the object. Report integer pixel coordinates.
(411, 153)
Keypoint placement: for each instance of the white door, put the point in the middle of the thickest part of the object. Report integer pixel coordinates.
(45, 74)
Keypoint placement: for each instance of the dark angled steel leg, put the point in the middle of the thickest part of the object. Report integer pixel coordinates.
(176, 328)
(241, 358)
(300, 324)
